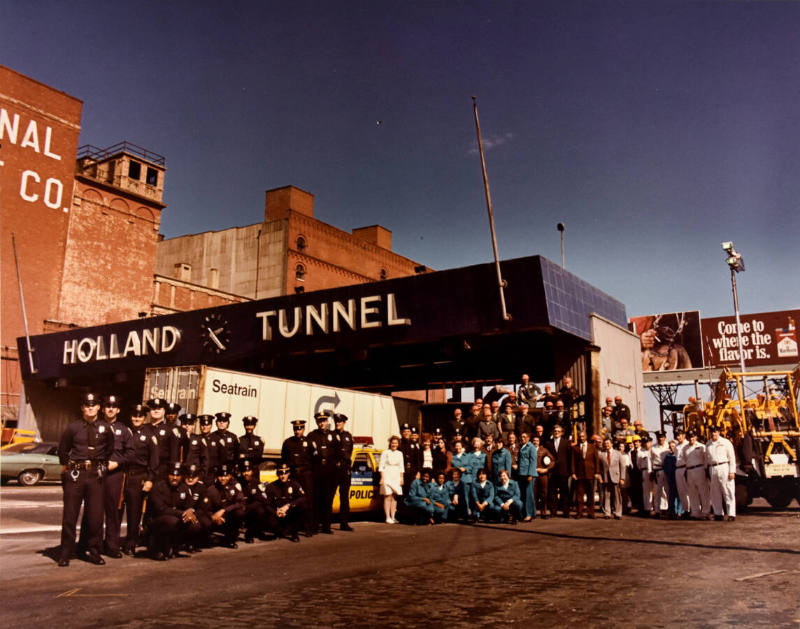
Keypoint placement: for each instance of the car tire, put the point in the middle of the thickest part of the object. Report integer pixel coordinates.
(29, 477)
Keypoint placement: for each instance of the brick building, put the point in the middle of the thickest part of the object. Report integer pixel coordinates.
(290, 251)
(85, 223)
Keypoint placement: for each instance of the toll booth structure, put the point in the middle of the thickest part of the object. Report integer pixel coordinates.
(435, 329)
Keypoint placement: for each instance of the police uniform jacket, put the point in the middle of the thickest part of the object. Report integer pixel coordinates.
(230, 443)
(344, 450)
(228, 497)
(251, 447)
(215, 450)
(144, 457)
(193, 450)
(168, 500)
(323, 448)
(280, 493)
(480, 494)
(296, 453)
(86, 441)
(123, 445)
(168, 438)
(252, 490)
(198, 492)
(412, 456)
(527, 460)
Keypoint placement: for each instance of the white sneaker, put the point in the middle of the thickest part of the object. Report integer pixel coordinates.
(389, 521)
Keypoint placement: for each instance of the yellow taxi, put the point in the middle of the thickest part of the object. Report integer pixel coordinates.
(364, 478)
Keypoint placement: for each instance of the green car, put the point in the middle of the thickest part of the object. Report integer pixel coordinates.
(30, 462)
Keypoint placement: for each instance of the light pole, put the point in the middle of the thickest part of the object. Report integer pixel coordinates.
(736, 263)
(561, 227)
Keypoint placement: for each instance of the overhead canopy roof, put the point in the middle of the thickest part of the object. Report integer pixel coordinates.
(408, 332)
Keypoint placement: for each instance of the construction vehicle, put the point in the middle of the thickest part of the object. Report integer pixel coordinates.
(763, 426)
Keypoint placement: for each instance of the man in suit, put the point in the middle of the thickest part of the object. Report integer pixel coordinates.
(545, 461)
(559, 475)
(612, 472)
(585, 469)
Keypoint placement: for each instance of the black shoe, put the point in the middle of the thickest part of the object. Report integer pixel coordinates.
(294, 538)
(63, 562)
(159, 556)
(326, 531)
(231, 545)
(114, 554)
(129, 550)
(95, 558)
(344, 526)
(731, 518)
(248, 539)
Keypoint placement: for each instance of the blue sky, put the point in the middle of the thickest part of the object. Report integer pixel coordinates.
(653, 130)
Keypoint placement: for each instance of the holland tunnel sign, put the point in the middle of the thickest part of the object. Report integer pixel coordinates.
(414, 309)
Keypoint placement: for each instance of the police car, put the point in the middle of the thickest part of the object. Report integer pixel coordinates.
(364, 477)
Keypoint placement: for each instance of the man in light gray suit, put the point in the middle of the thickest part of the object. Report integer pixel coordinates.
(612, 472)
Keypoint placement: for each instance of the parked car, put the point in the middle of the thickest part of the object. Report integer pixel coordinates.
(30, 463)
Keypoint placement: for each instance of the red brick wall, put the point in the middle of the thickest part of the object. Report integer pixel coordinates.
(110, 256)
(170, 295)
(40, 158)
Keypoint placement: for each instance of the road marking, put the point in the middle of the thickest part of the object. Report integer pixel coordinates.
(30, 529)
(74, 594)
(759, 574)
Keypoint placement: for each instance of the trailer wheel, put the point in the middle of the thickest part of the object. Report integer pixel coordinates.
(779, 497)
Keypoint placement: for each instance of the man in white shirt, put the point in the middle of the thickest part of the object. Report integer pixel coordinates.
(680, 470)
(721, 461)
(660, 483)
(695, 455)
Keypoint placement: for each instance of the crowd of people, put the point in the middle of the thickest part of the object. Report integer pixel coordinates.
(181, 490)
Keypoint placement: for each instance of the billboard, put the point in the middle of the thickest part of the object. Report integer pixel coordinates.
(768, 338)
(669, 341)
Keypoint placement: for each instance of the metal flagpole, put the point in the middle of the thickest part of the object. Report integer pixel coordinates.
(501, 283)
(22, 302)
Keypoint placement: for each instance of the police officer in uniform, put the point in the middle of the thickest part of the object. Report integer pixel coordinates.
(192, 448)
(84, 450)
(251, 446)
(114, 484)
(173, 515)
(224, 503)
(286, 504)
(167, 436)
(229, 441)
(142, 472)
(215, 449)
(171, 411)
(323, 468)
(197, 537)
(412, 456)
(296, 453)
(254, 509)
(344, 456)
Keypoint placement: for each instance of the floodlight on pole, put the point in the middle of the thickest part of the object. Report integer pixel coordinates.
(735, 262)
(562, 228)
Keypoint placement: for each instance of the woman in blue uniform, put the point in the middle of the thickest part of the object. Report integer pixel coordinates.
(458, 495)
(501, 460)
(507, 499)
(462, 461)
(482, 500)
(528, 455)
(440, 497)
(418, 498)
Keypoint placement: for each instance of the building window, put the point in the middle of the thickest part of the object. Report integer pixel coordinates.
(383, 274)
(300, 273)
(152, 177)
(134, 170)
(301, 243)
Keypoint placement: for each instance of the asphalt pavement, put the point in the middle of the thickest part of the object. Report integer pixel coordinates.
(547, 573)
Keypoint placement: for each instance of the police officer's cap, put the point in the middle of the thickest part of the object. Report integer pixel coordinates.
(437, 432)
(716, 428)
(691, 433)
(283, 467)
(322, 415)
(191, 471)
(223, 469)
(660, 434)
(245, 465)
(339, 417)
(223, 417)
(90, 399)
(413, 430)
(172, 408)
(405, 427)
(156, 402)
(206, 420)
(138, 410)
(175, 469)
(187, 419)
(249, 420)
(111, 401)
(680, 431)
(298, 423)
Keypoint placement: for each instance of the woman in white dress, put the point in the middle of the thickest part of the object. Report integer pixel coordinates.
(391, 467)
